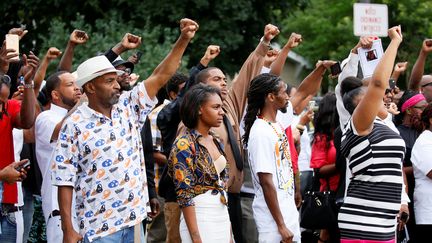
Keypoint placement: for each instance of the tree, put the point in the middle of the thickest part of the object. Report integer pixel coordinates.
(236, 26)
(327, 30)
(105, 33)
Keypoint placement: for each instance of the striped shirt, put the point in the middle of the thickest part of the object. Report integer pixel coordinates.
(374, 194)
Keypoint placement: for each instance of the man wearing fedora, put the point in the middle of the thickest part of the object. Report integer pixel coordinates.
(99, 150)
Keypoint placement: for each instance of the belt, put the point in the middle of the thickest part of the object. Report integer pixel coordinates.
(246, 194)
(54, 213)
(10, 208)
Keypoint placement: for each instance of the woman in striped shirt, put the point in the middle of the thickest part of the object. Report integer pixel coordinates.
(374, 153)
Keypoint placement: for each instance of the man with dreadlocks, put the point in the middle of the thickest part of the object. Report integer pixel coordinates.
(275, 211)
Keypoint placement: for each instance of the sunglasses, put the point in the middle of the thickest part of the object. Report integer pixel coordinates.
(428, 84)
(5, 79)
(127, 71)
(420, 107)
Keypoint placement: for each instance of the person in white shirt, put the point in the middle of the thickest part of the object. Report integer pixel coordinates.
(274, 208)
(422, 166)
(63, 94)
(99, 151)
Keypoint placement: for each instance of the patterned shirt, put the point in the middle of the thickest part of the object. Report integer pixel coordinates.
(102, 159)
(157, 139)
(192, 169)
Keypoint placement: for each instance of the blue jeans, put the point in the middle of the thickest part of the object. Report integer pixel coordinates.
(121, 236)
(28, 211)
(8, 228)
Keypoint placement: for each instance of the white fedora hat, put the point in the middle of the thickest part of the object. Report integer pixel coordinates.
(93, 68)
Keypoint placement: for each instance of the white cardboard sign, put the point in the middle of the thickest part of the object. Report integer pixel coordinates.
(369, 58)
(370, 19)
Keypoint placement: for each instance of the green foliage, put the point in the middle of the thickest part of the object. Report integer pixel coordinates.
(327, 30)
(236, 26)
(105, 33)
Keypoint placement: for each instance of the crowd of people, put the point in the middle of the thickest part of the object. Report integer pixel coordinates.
(96, 155)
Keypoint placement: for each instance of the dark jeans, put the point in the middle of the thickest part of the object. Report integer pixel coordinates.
(235, 214)
(8, 228)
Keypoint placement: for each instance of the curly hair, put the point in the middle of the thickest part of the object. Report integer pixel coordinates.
(260, 87)
(175, 81)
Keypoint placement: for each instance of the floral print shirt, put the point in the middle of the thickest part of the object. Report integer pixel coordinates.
(102, 159)
(192, 170)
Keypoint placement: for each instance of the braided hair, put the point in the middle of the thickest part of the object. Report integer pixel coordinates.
(260, 87)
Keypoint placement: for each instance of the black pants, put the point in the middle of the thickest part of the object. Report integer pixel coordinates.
(235, 214)
(422, 232)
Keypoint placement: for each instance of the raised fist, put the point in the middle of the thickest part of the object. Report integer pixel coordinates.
(270, 57)
(188, 28)
(395, 33)
(270, 32)
(294, 40)
(78, 37)
(212, 52)
(53, 53)
(427, 45)
(400, 67)
(131, 41)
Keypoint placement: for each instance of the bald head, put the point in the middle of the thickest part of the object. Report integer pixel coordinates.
(425, 79)
(426, 87)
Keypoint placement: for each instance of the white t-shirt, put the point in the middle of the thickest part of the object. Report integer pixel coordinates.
(44, 128)
(266, 156)
(286, 119)
(349, 68)
(422, 165)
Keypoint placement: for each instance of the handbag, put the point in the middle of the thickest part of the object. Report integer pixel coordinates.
(319, 210)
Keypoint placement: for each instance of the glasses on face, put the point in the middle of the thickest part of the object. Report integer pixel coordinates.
(127, 71)
(428, 84)
(420, 107)
(5, 79)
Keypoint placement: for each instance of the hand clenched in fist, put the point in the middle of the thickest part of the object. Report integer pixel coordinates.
(270, 32)
(188, 28)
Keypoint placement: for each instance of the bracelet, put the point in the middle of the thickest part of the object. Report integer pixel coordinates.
(29, 85)
(265, 43)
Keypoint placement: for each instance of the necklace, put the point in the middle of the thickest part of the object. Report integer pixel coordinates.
(282, 138)
(284, 165)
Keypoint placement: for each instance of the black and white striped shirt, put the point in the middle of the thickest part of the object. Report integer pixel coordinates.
(374, 194)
